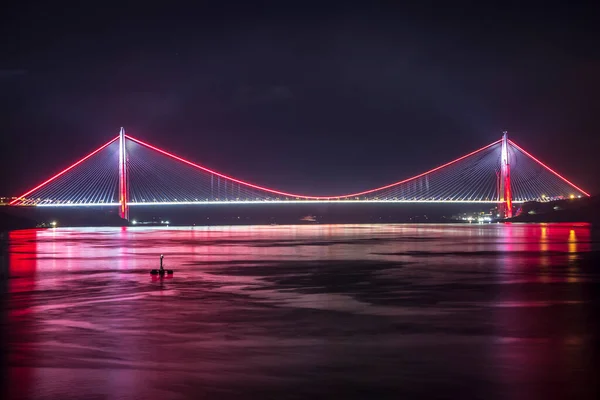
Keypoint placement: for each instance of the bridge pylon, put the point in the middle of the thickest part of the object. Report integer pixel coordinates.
(123, 179)
(505, 192)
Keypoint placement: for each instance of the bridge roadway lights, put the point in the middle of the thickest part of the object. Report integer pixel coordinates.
(161, 271)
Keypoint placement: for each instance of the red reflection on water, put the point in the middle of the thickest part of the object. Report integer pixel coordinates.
(23, 254)
(541, 323)
(22, 258)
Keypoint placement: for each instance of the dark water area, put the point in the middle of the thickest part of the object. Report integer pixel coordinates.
(318, 311)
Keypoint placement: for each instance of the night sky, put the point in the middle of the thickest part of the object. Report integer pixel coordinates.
(310, 99)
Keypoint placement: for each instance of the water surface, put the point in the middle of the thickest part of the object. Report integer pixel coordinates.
(320, 311)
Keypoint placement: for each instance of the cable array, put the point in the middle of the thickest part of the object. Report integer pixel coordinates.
(92, 180)
(533, 181)
(468, 179)
(157, 178)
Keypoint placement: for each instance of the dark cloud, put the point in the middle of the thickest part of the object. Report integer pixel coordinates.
(11, 73)
(248, 95)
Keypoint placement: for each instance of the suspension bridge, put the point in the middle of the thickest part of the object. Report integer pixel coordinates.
(128, 172)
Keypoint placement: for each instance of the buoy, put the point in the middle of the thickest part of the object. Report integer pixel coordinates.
(161, 271)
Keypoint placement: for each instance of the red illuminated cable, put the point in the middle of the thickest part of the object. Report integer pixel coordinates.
(221, 175)
(548, 168)
(297, 195)
(62, 172)
(424, 173)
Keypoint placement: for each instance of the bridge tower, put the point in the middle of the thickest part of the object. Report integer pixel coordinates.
(505, 193)
(123, 180)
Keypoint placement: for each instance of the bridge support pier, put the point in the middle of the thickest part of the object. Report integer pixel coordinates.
(123, 181)
(505, 192)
